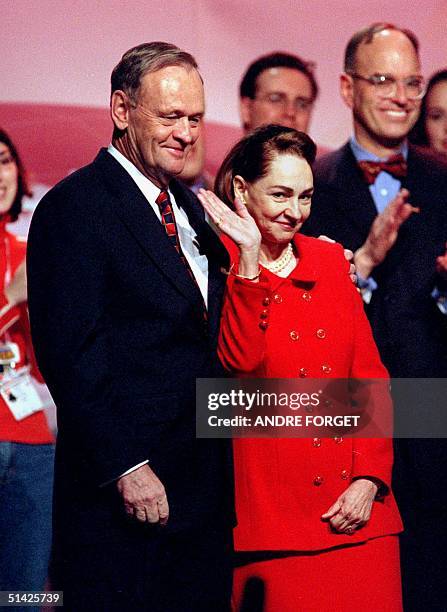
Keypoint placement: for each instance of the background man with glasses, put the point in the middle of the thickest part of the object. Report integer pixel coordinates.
(277, 88)
(361, 200)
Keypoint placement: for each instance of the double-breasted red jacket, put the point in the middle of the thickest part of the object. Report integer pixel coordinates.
(310, 324)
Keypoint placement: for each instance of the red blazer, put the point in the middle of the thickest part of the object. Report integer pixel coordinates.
(311, 324)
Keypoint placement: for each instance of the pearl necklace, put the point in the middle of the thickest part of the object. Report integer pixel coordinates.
(282, 262)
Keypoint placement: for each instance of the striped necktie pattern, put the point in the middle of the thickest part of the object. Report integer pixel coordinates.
(168, 221)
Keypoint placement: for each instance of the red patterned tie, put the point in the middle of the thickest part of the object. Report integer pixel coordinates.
(395, 165)
(168, 221)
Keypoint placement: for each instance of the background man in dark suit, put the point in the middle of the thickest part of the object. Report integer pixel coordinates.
(399, 255)
(125, 286)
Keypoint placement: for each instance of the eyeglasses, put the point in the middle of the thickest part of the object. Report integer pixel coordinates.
(386, 85)
(281, 101)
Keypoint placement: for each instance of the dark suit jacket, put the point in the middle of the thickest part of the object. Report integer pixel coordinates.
(120, 337)
(411, 334)
(408, 327)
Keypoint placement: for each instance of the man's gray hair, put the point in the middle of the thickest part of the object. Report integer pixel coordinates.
(143, 59)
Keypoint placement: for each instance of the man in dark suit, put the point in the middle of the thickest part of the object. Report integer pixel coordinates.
(125, 286)
(361, 199)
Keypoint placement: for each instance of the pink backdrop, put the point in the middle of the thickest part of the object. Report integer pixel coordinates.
(57, 56)
(56, 139)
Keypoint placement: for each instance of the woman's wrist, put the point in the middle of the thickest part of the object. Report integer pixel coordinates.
(253, 277)
(248, 266)
(250, 252)
(380, 487)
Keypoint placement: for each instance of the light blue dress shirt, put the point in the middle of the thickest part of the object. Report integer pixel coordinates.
(383, 190)
(385, 187)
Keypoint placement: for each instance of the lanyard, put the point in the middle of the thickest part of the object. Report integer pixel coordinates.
(8, 274)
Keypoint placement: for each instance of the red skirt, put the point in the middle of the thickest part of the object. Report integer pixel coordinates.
(355, 578)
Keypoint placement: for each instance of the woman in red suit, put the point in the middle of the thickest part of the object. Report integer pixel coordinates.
(317, 521)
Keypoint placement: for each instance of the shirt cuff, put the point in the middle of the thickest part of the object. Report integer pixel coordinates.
(132, 469)
(440, 298)
(366, 286)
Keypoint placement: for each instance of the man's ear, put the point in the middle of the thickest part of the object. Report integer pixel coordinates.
(347, 89)
(119, 109)
(245, 111)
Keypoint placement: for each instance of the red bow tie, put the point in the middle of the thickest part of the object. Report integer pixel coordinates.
(395, 165)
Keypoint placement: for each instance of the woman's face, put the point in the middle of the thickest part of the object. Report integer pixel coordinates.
(436, 117)
(280, 201)
(8, 179)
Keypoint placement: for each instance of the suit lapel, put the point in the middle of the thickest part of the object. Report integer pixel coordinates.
(413, 181)
(354, 197)
(422, 195)
(134, 211)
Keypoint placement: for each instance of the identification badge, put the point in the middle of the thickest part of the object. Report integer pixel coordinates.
(20, 395)
(9, 353)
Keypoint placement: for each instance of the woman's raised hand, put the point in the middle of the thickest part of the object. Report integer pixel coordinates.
(238, 225)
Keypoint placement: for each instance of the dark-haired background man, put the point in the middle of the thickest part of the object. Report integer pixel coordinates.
(363, 203)
(125, 286)
(278, 88)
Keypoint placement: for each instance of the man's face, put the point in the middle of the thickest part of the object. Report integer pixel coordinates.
(381, 123)
(163, 124)
(195, 161)
(283, 96)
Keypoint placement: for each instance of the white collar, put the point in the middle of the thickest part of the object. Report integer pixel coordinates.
(186, 233)
(149, 189)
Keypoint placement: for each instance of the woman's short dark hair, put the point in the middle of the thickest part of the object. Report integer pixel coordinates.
(22, 179)
(253, 154)
(418, 134)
